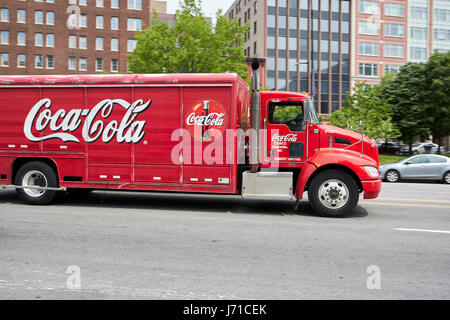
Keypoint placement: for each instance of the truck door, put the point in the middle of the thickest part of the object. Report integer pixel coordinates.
(286, 135)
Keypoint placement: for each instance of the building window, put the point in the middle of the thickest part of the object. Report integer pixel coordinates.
(21, 16)
(419, 33)
(131, 45)
(99, 43)
(82, 2)
(368, 48)
(50, 40)
(134, 24)
(82, 42)
(115, 65)
(114, 44)
(21, 38)
(391, 68)
(394, 9)
(99, 3)
(4, 60)
(50, 63)
(394, 30)
(82, 64)
(135, 4)
(4, 15)
(99, 64)
(39, 17)
(99, 22)
(38, 39)
(393, 50)
(418, 53)
(50, 18)
(368, 69)
(72, 42)
(369, 7)
(72, 63)
(21, 60)
(115, 4)
(442, 34)
(83, 21)
(369, 28)
(419, 13)
(38, 61)
(4, 37)
(115, 23)
(442, 15)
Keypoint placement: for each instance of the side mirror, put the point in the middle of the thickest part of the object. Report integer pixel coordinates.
(407, 162)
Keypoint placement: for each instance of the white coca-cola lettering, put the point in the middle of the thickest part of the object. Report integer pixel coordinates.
(212, 119)
(63, 122)
(287, 138)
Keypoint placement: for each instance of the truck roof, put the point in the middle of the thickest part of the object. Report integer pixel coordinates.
(122, 79)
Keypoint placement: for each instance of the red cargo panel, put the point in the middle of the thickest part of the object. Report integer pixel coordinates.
(109, 173)
(206, 175)
(157, 174)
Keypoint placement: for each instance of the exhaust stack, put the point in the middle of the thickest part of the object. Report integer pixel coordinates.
(256, 116)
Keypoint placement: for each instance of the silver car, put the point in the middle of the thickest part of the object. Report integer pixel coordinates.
(421, 167)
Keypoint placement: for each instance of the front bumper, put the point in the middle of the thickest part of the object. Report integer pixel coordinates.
(371, 188)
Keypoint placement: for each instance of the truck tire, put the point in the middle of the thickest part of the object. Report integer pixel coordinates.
(333, 193)
(36, 174)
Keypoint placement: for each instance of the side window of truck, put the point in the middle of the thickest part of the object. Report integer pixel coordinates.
(288, 113)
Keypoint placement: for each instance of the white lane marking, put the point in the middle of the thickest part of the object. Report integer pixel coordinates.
(422, 230)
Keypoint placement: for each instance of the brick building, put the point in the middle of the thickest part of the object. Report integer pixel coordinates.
(69, 36)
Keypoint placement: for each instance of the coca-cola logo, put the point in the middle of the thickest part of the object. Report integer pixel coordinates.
(286, 138)
(93, 121)
(206, 119)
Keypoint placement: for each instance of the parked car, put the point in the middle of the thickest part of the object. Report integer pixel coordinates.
(392, 147)
(421, 167)
(421, 148)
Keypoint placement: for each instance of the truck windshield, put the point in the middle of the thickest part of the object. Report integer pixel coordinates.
(312, 111)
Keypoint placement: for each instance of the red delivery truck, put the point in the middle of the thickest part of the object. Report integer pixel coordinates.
(195, 133)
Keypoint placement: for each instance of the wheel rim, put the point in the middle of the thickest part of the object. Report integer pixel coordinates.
(392, 176)
(34, 178)
(333, 194)
(447, 178)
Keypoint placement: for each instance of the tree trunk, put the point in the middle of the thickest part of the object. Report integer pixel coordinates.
(410, 147)
(439, 145)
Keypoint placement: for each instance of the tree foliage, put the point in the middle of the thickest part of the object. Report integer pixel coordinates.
(194, 45)
(368, 105)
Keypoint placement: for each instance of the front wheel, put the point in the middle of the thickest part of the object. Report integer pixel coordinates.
(33, 175)
(392, 176)
(333, 193)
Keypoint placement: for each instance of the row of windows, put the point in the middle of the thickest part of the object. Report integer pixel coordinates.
(272, 43)
(134, 24)
(373, 29)
(238, 9)
(99, 64)
(390, 50)
(336, 5)
(132, 4)
(74, 43)
(22, 60)
(390, 9)
(39, 16)
(292, 23)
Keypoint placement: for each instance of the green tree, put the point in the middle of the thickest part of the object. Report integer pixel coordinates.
(368, 105)
(194, 45)
(405, 95)
(437, 95)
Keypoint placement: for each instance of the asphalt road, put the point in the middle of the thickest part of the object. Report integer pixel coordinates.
(147, 246)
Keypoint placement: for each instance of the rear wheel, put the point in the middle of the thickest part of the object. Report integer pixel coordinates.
(447, 178)
(333, 193)
(36, 174)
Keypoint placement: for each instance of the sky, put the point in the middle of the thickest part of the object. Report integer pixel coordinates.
(210, 7)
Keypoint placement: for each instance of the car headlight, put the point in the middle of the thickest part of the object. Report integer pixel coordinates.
(372, 171)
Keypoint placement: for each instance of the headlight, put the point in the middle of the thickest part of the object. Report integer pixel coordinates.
(372, 172)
